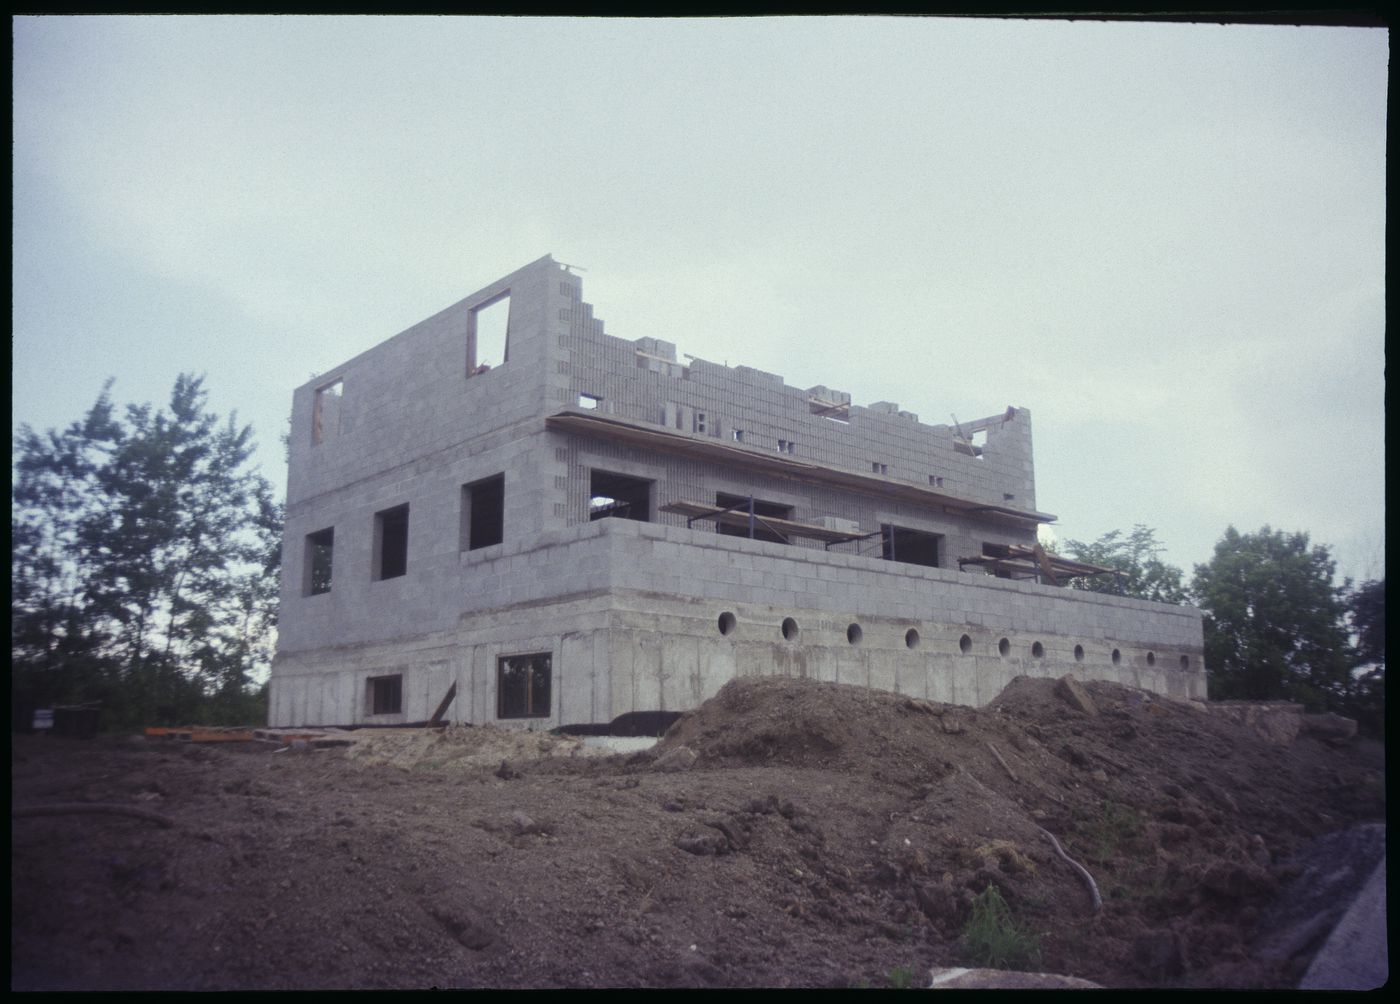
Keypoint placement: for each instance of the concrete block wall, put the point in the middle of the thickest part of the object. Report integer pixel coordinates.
(641, 617)
(632, 382)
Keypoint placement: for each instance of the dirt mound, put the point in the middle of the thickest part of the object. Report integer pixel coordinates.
(785, 833)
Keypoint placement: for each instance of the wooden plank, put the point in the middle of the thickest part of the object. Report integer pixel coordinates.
(443, 704)
(739, 519)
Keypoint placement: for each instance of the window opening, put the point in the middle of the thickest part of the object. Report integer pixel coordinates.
(854, 634)
(589, 401)
(618, 496)
(391, 542)
(386, 694)
(1037, 650)
(483, 513)
(488, 335)
(935, 480)
(522, 685)
(727, 623)
(913, 547)
(1004, 648)
(790, 629)
(878, 468)
(786, 445)
(911, 638)
(320, 549)
(738, 435)
(325, 411)
(1117, 657)
(760, 509)
(965, 644)
(700, 421)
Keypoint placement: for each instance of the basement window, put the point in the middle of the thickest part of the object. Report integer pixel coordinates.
(325, 411)
(320, 548)
(391, 542)
(384, 694)
(913, 547)
(483, 513)
(760, 508)
(488, 334)
(522, 685)
(617, 496)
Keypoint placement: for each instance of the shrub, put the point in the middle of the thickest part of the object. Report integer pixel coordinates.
(993, 939)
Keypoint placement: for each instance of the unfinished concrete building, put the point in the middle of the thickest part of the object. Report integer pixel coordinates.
(504, 514)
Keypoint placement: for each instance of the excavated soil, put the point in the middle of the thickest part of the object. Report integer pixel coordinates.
(786, 833)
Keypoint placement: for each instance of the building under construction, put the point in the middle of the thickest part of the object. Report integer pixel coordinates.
(504, 514)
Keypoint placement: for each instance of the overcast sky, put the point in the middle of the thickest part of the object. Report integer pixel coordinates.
(1166, 241)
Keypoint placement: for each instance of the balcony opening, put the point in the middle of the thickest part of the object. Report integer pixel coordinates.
(740, 503)
(617, 496)
(913, 547)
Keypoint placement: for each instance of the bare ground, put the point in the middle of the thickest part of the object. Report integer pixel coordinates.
(785, 833)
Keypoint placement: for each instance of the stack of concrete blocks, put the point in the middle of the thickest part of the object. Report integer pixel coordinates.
(647, 615)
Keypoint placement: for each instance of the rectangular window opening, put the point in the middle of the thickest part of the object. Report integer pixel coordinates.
(589, 401)
(738, 435)
(385, 694)
(523, 685)
(760, 508)
(325, 411)
(391, 542)
(878, 468)
(320, 549)
(913, 547)
(786, 446)
(483, 513)
(617, 496)
(700, 424)
(488, 335)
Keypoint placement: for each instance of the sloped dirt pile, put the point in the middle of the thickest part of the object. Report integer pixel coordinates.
(786, 833)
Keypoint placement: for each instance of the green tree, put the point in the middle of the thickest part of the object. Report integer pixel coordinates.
(1274, 620)
(148, 561)
(1366, 617)
(1141, 572)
